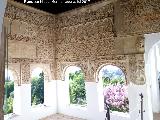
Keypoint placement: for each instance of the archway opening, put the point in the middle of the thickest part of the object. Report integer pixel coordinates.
(115, 94)
(154, 78)
(76, 83)
(37, 87)
(9, 92)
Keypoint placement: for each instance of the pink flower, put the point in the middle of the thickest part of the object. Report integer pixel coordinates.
(116, 95)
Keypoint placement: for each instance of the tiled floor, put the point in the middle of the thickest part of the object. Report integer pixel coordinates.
(156, 116)
(60, 117)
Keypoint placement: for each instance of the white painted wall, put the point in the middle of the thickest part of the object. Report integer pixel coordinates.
(35, 113)
(94, 103)
(154, 85)
(93, 112)
(22, 102)
(22, 99)
(63, 102)
(134, 101)
(50, 94)
(151, 71)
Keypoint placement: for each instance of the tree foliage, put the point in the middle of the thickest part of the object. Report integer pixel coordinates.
(9, 96)
(77, 88)
(37, 90)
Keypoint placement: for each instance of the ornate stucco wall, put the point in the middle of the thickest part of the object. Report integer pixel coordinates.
(108, 32)
(139, 16)
(31, 38)
(90, 37)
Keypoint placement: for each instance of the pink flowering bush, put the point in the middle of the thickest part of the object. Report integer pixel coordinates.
(115, 89)
(116, 97)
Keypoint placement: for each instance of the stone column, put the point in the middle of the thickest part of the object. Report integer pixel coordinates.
(2, 10)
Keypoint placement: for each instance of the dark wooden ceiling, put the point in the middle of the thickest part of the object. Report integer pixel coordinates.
(59, 6)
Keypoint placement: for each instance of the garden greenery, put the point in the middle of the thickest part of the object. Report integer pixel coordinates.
(9, 96)
(37, 90)
(77, 88)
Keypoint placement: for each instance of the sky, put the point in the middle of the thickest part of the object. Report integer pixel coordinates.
(9, 74)
(36, 72)
(72, 69)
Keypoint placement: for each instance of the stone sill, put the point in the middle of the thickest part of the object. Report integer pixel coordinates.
(120, 114)
(76, 106)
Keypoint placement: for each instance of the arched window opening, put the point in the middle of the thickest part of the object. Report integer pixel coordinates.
(37, 87)
(114, 88)
(9, 92)
(77, 92)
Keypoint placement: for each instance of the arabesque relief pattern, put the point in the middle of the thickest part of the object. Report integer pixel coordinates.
(87, 37)
(140, 16)
(36, 32)
(92, 43)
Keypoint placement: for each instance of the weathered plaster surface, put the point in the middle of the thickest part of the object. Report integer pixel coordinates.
(109, 32)
(31, 38)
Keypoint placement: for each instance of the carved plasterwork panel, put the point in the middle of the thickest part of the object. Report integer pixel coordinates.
(83, 37)
(131, 65)
(25, 72)
(129, 44)
(82, 32)
(35, 30)
(80, 50)
(62, 66)
(21, 14)
(91, 67)
(31, 39)
(136, 69)
(121, 64)
(140, 16)
(86, 14)
(140, 44)
(46, 64)
(21, 50)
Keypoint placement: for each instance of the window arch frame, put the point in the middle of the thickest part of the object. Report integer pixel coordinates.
(116, 65)
(47, 73)
(66, 80)
(100, 84)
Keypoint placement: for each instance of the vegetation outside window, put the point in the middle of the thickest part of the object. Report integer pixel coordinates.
(114, 89)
